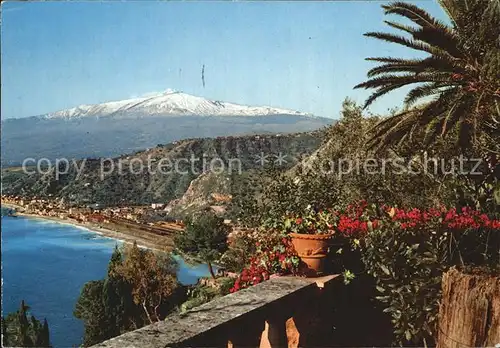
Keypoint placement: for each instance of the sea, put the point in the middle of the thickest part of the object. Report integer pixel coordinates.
(46, 263)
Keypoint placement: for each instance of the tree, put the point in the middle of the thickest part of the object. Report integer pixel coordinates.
(19, 331)
(205, 238)
(138, 289)
(90, 308)
(116, 260)
(122, 314)
(43, 339)
(460, 74)
(152, 278)
(335, 175)
(106, 306)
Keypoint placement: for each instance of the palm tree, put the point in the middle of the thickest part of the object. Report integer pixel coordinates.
(457, 82)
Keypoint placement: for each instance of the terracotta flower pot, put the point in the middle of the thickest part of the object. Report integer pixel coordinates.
(312, 250)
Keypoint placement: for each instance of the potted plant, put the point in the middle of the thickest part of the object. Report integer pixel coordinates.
(311, 234)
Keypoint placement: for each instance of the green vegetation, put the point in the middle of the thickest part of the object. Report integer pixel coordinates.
(460, 73)
(140, 288)
(201, 293)
(324, 179)
(19, 331)
(411, 250)
(155, 186)
(205, 238)
(403, 262)
(411, 291)
(151, 277)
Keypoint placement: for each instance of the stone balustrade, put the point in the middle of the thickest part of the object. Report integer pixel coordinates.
(283, 311)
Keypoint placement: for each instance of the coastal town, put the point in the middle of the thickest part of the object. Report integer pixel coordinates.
(147, 224)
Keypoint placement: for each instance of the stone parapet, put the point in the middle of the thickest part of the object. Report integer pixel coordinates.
(275, 313)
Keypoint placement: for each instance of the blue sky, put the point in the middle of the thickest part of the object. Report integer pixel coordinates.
(305, 56)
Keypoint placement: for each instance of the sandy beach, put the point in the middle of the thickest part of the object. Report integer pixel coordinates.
(118, 235)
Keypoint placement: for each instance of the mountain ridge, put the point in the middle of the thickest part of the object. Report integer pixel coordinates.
(169, 102)
(153, 186)
(113, 128)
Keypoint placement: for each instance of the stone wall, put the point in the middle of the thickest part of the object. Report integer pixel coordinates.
(283, 311)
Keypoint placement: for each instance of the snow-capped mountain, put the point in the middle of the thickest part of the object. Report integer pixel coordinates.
(126, 126)
(170, 102)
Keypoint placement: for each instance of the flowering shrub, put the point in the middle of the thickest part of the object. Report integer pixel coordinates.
(405, 250)
(348, 223)
(356, 221)
(452, 219)
(275, 255)
(310, 222)
(408, 250)
(241, 243)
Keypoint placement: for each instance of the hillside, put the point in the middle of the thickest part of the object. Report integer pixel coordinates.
(155, 186)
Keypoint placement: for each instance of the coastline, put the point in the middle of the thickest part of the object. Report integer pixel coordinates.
(113, 234)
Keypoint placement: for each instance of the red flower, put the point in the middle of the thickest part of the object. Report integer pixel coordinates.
(353, 223)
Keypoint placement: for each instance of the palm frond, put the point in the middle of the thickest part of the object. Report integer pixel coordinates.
(391, 130)
(415, 44)
(436, 108)
(427, 65)
(413, 13)
(439, 126)
(453, 9)
(382, 129)
(392, 60)
(400, 40)
(380, 92)
(386, 82)
(443, 38)
(444, 64)
(393, 68)
(404, 79)
(431, 31)
(400, 26)
(423, 91)
(399, 131)
(459, 72)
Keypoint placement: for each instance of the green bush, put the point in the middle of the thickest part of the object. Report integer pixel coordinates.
(21, 329)
(408, 253)
(200, 293)
(407, 267)
(205, 238)
(237, 255)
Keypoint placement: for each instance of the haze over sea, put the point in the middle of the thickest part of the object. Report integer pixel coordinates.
(46, 264)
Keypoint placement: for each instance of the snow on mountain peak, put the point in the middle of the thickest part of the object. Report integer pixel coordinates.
(170, 91)
(170, 102)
